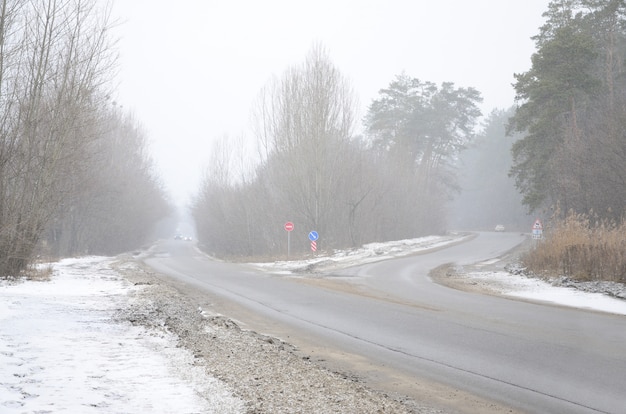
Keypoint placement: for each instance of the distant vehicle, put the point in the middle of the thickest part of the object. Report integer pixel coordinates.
(499, 227)
(187, 238)
(178, 237)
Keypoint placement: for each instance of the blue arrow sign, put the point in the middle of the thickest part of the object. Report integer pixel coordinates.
(313, 236)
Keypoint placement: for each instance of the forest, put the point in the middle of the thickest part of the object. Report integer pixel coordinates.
(75, 175)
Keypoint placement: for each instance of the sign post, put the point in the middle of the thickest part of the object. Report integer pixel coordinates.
(288, 228)
(313, 236)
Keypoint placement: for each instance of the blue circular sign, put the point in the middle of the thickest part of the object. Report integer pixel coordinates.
(313, 236)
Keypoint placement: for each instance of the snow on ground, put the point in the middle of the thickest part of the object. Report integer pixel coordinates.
(509, 284)
(61, 350)
(539, 290)
(368, 253)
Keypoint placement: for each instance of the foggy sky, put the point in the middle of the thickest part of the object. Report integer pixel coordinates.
(191, 72)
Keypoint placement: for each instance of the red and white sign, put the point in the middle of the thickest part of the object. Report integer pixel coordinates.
(537, 230)
(289, 226)
(314, 245)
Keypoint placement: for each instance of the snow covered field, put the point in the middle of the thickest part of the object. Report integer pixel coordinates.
(62, 349)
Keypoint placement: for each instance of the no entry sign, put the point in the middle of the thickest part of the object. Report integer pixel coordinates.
(289, 228)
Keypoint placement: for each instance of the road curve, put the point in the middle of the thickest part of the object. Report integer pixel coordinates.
(527, 356)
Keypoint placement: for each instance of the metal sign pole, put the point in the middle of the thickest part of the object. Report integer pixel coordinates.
(288, 228)
(313, 236)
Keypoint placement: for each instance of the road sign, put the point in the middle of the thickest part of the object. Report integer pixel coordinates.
(537, 230)
(314, 245)
(289, 226)
(313, 235)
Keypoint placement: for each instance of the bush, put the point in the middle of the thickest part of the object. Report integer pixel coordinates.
(583, 247)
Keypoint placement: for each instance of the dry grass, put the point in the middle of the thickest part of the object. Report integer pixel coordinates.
(38, 273)
(583, 247)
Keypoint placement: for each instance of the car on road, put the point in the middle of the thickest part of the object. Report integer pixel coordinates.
(499, 227)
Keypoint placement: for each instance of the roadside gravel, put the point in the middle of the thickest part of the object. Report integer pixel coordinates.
(265, 372)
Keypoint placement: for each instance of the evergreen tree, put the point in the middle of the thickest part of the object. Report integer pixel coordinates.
(571, 110)
(421, 128)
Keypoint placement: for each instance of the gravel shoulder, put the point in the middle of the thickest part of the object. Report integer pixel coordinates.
(270, 375)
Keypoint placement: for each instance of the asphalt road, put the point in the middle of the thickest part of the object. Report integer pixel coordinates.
(527, 356)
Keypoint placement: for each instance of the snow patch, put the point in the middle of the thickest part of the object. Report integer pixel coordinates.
(61, 350)
(536, 289)
(368, 253)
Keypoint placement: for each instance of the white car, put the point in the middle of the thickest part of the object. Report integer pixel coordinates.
(499, 227)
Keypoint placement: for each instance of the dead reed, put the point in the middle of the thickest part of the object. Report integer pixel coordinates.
(582, 247)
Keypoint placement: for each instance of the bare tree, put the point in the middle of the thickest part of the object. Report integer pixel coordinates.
(58, 57)
(314, 171)
(308, 119)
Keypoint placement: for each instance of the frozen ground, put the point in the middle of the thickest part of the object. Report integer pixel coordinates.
(62, 350)
(65, 348)
(602, 296)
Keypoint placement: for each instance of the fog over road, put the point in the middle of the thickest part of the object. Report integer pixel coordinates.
(398, 326)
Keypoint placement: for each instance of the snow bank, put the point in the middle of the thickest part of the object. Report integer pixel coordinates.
(536, 289)
(368, 253)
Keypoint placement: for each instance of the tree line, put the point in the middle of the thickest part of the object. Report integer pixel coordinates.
(311, 167)
(74, 173)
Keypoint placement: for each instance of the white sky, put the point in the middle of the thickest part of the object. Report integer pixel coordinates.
(190, 70)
